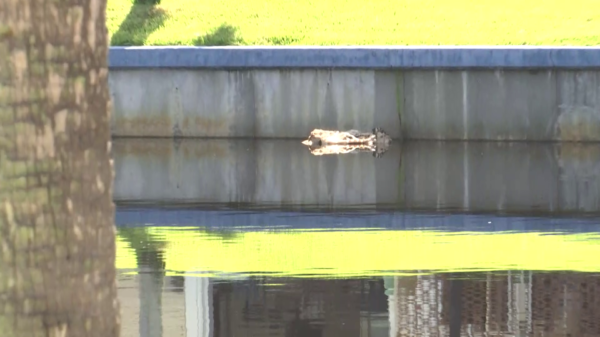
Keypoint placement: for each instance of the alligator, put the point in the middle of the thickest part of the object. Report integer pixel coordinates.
(322, 142)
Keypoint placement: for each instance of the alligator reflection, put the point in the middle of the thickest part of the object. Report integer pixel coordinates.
(513, 303)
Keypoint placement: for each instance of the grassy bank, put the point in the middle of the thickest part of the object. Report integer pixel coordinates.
(355, 22)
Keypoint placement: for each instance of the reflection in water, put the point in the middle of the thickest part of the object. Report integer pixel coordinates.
(373, 252)
(475, 177)
(246, 238)
(514, 302)
(151, 270)
(194, 281)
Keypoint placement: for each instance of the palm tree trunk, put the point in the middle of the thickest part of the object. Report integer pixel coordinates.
(57, 235)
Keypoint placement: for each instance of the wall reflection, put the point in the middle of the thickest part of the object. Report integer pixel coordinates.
(476, 177)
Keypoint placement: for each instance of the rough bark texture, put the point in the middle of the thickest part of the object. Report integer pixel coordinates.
(57, 235)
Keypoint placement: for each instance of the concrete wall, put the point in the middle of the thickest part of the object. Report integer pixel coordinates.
(254, 103)
(560, 105)
(478, 177)
(414, 104)
(534, 94)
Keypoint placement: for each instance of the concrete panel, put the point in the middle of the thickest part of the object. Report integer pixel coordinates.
(265, 104)
(164, 103)
(388, 101)
(292, 103)
(433, 105)
(479, 105)
(363, 57)
(478, 177)
(578, 106)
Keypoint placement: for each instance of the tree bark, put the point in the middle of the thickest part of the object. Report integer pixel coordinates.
(57, 235)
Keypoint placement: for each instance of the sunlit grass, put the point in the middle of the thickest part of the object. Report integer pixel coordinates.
(357, 22)
(328, 254)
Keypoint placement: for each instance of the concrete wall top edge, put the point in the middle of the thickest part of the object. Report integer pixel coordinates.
(357, 57)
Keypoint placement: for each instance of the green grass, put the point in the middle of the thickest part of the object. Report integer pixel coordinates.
(355, 22)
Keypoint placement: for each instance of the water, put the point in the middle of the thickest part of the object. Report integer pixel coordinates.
(247, 238)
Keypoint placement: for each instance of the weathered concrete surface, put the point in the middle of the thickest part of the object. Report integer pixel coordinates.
(363, 57)
(502, 105)
(477, 177)
(250, 103)
(542, 105)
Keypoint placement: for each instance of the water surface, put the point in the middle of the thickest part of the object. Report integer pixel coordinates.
(430, 240)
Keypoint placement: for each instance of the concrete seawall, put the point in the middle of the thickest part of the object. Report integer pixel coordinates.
(469, 93)
(473, 177)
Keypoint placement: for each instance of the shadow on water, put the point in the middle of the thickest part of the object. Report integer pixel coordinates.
(141, 21)
(224, 35)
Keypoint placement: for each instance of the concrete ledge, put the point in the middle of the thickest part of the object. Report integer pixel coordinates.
(443, 57)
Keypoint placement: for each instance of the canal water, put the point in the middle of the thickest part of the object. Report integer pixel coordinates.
(265, 238)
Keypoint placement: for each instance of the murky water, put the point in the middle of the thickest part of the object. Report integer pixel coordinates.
(222, 238)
